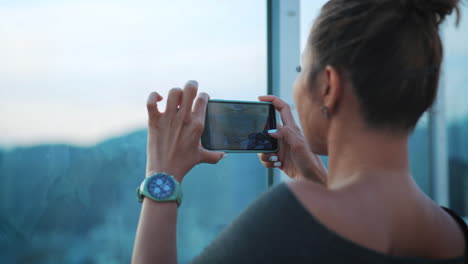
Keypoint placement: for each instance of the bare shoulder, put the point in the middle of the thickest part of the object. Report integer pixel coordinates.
(314, 197)
(404, 224)
(341, 215)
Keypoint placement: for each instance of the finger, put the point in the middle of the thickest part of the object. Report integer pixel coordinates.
(152, 104)
(267, 165)
(190, 92)
(199, 110)
(283, 133)
(272, 165)
(288, 136)
(173, 100)
(211, 157)
(268, 157)
(282, 107)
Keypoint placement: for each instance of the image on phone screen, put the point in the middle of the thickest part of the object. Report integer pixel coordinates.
(239, 126)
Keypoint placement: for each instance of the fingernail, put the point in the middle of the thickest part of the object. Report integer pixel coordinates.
(224, 156)
(193, 82)
(274, 158)
(271, 131)
(277, 164)
(152, 98)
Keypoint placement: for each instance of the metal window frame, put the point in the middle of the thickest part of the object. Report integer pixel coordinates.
(438, 155)
(283, 55)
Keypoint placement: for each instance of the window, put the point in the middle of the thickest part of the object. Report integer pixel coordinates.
(456, 92)
(419, 154)
(74, 77)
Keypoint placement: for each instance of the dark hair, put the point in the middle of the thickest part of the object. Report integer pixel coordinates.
(390, 50)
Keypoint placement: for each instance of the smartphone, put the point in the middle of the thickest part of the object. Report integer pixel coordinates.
(239, 126)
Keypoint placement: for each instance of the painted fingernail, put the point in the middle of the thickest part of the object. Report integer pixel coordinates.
(273, 158)
(152, 98)
(271, 131)
(193, 82)
(277, 164)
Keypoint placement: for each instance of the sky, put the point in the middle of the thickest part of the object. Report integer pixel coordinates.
(79, 72)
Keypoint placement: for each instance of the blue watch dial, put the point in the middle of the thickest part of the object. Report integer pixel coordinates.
(161, 186)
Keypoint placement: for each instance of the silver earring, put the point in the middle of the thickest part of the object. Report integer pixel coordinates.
(325, 112)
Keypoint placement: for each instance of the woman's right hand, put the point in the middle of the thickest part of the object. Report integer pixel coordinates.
(294, 156)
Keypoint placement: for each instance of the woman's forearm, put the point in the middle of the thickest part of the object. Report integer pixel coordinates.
(156, 234)
(174, 148)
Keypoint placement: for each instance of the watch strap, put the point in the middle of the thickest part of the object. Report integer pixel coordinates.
(142, 190)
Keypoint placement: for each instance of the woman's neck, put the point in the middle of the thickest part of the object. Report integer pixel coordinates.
(363, 154)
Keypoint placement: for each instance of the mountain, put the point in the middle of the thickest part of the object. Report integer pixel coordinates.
(60, 192)
(67, 204)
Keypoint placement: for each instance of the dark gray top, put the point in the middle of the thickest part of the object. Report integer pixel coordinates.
(276, 228)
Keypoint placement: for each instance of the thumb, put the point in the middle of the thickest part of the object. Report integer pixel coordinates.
(211, 157)
(283, 133)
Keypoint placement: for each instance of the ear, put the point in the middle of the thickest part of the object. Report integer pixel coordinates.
(331, 93)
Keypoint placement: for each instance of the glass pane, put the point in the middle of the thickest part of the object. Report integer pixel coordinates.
(309, 11)
(419, 154)
(74, 77)
(456, 85)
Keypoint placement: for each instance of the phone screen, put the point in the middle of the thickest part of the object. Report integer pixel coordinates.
(239, 126)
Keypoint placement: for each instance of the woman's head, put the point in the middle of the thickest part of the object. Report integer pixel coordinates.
(384, 54)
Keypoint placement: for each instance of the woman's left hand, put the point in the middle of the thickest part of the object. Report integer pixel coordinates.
(174, 135)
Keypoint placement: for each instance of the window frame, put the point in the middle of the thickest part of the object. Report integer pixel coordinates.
(283, 55)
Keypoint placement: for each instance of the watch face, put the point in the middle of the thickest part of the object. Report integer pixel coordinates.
(161, 186)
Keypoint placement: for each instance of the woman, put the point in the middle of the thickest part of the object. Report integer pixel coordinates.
(369, 71)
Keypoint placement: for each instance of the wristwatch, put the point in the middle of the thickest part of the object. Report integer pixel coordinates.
(160, 187)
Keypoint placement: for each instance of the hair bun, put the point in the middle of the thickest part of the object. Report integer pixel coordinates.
(436, 9)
